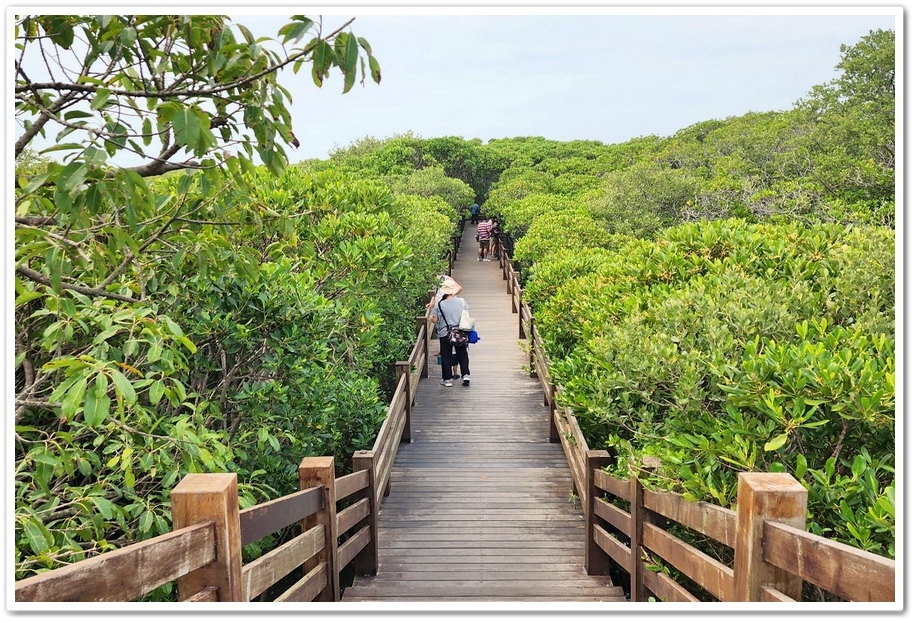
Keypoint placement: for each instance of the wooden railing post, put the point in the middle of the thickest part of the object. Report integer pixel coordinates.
(403, 368)
(202, 497)
(421, 331)
(318, 471)
(596, 561)
(366, 562)
(765, 496)
(638, 516)
(533, 370)
(553, 434)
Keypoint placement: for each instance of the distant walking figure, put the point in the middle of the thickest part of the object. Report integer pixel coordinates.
(483, 238)
(475, 213)
(447, 315)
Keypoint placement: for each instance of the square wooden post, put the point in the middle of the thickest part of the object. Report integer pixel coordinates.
(202, 497)
(596, 561)
(318, 471)
(553, 434)
(765, 496)
(533, 368)
(638, 516)
(422, 334)
(366, 562)
(403, 368)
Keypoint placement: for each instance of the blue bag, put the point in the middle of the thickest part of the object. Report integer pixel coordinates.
(473, 338)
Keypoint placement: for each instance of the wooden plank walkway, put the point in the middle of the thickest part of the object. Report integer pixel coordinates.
(480, 507)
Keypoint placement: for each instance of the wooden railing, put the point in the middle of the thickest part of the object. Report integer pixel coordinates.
(630, 527)
(203, 552)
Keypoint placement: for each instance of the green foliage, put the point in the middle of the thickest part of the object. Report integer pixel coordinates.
(561, 266)
(515, 184)
(565, 229)
(469, 161)
(196, 312)
(518, 215)
(398, 155)
(190, 313)
(850, 136)
(229, 82)
(433, 182)
(642, 199)
(664, 350)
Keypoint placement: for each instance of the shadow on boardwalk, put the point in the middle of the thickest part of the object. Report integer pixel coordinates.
(481, 505)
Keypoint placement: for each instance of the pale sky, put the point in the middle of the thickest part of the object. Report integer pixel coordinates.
(603, 74)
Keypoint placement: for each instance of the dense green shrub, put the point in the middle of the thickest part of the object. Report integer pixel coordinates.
(267, 335)
(553, 230)
(725, 346)
(518, 215)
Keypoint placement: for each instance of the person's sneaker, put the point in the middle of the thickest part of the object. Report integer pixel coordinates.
(446, 382)
(486, 259)
(479, 259)
(455, 377)
(466, 380)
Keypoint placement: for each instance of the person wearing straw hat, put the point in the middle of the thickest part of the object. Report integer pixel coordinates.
(445, 280)
(454, 286)
(445, 314)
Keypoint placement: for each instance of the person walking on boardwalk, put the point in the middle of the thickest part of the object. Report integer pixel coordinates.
(496, 238)
(483, 237)
(447, 314)
(449, 283)
(475, 213)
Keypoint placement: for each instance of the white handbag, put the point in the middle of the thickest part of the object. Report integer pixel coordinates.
(466, 323)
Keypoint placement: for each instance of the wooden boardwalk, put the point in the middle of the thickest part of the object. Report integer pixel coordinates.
(481, 505)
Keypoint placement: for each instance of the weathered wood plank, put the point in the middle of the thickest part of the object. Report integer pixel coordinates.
(352, 547)
(352, 515)
(845, 571)
(714, 521)
(709, 573)
(309, 587)
(666, 589)
(617, 551)
(615, 516)
(270, 568)
(164, 558)
(351, 483)
(614, 486)
(258, 521)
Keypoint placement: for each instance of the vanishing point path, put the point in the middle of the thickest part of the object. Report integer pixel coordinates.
(480, 505)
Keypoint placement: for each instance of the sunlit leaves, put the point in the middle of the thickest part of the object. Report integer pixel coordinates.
(192, 127)
(296, 29)
(322, 59)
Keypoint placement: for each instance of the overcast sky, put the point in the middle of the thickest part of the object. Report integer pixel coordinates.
(603, 74)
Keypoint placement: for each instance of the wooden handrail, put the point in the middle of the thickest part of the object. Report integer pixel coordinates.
(113, 576)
